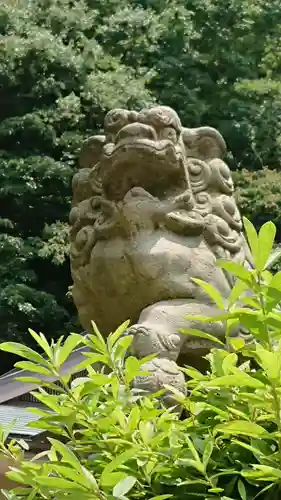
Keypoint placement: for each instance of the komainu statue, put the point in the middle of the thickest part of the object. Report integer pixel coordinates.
(153, 208)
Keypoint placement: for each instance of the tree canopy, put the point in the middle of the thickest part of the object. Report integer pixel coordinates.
(65, 63)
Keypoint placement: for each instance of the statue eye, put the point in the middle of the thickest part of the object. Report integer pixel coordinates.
(115, 120)
(168, 133)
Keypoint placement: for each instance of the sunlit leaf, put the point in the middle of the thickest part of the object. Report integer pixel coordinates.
(22, 351)
(197, 333)
(32, 367)
(242, 427)
(113, 337)
(211, 291)
(240, 379)
(266, 240)
(252, 237)
(42, 342)
(71, 343)
(124, 486)
(236, 270)
(242, 490)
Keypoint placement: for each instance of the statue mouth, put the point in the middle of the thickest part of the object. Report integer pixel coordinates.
(146, 146)
(142, 162)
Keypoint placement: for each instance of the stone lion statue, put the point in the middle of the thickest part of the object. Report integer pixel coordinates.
(153, 207)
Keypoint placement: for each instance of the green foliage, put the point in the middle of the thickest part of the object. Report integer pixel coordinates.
(111, 441)
(259, 195)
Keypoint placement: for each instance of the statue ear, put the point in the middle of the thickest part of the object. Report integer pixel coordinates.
(91, 151)
(85, 182)
(204, 143)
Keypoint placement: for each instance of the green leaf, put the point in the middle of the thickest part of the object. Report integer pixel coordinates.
(210, 319)
(239, 379)
(229, 363)
(57, 483)
(146, 431)
(193, 373)
(121, 347)
(68, 473)
(237, 291)
(254, 450)
(237, 270)
(266, 488)
(97, 332)
(274, 257)
(113, 337)
(99, 379)
(115, 387)
(266, 240)
(252, 238)
(16, 476)
(124, 486)
(29, 380)
(69, 345)
(7, 429)
(112, 478)
(117, 462)
(67, 455)
(132, 368)
(273, 471)
(22, 351)
(242, 427)
(192, 463)
(161, 497)
(94, 358)
(207, 451)
(134, 418)
(211, 291)
(202, 335)
(270, 362)
(89, 478)
(242, 490)
(237, 343)
(32, 367)
(42, 342)
(193, 449)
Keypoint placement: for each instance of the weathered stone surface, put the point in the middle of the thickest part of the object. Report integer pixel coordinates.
(153, 207)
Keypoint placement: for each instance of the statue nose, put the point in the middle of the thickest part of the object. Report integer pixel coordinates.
(136, 131)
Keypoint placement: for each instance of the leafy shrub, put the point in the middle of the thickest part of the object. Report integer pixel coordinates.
(112, 442)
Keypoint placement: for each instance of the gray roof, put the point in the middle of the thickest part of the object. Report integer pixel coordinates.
(22, 417)
(11, 388)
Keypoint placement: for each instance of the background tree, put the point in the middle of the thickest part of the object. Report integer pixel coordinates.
(64, 63)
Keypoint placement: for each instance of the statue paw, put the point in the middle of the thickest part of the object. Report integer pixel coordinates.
(161, 372)
(148, 341)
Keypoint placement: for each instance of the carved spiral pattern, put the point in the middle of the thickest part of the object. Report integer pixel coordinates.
(95, 180)
(185, 200)
(116, 119)
(218, 232)
(203, 203)
(226, 208)
(160, 116)
(189, 223)
(199, 174)
(107, 219)
(221, 180)
(85, 213)
(81, 187)
(81, 248)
